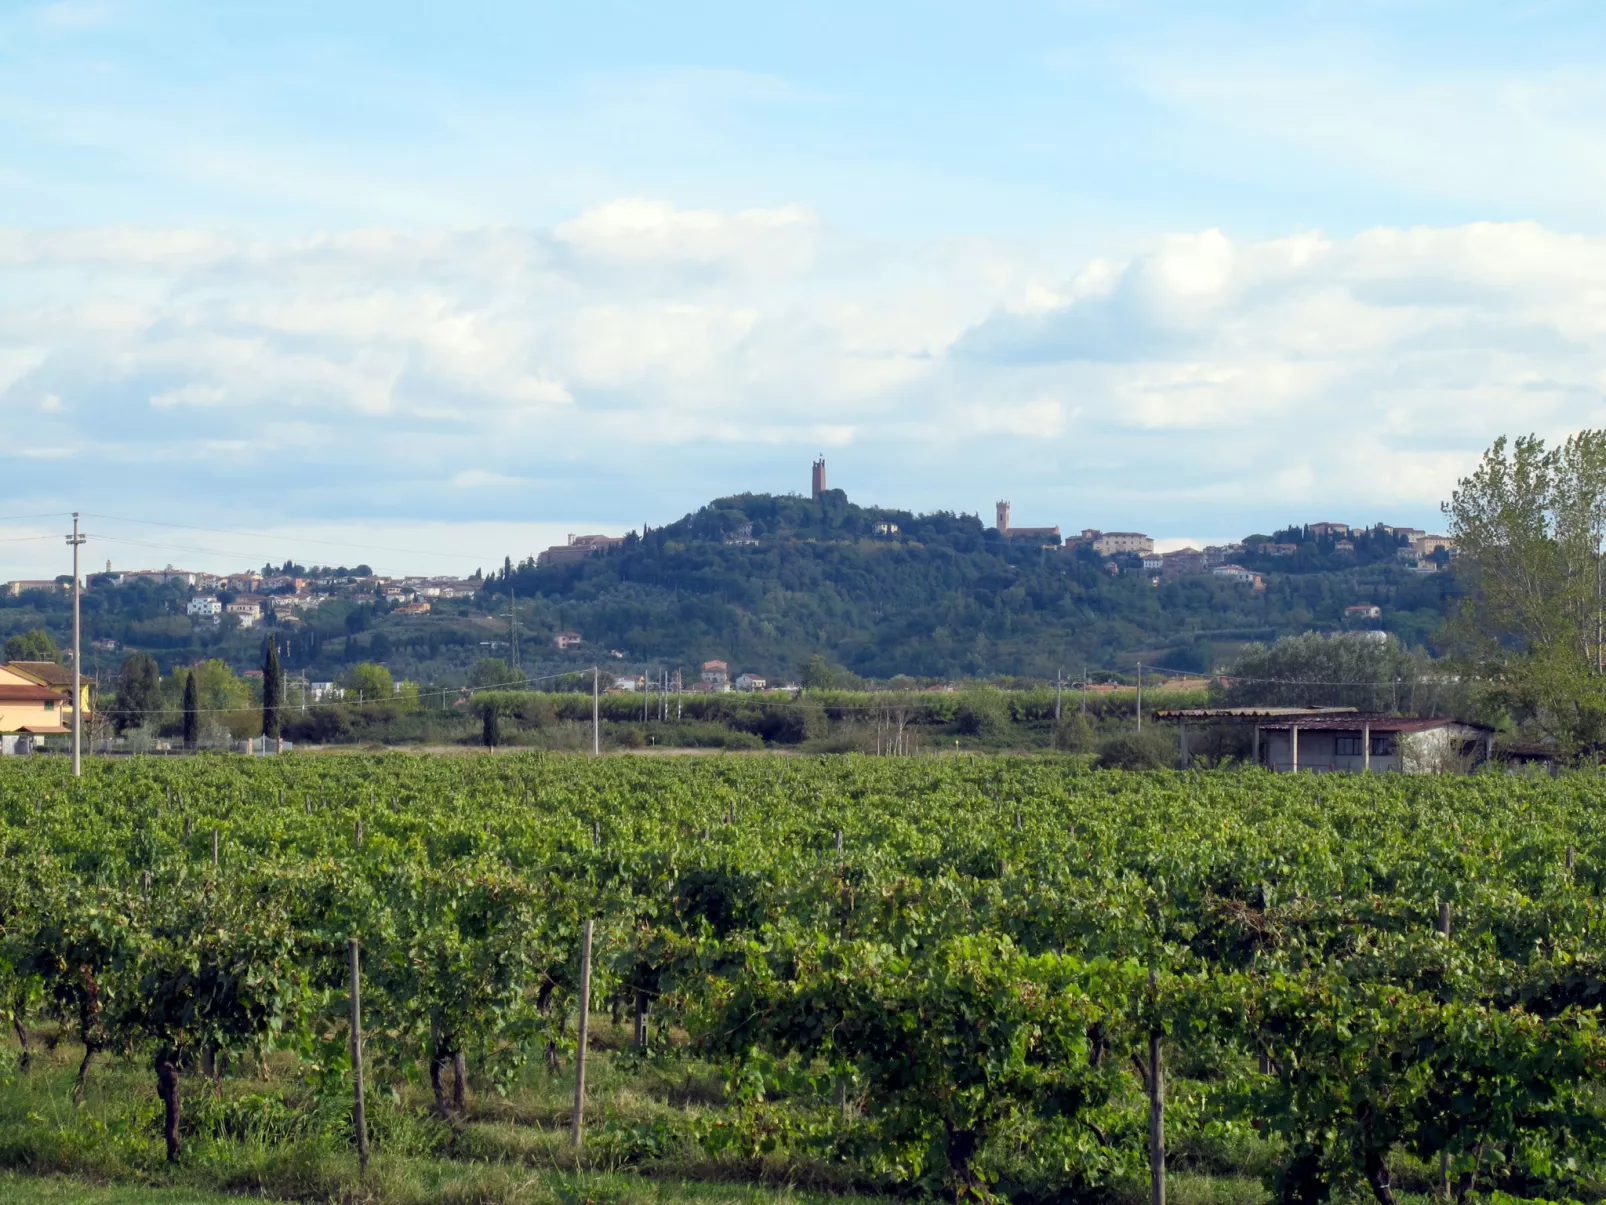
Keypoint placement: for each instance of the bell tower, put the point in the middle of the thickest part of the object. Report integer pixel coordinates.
(1003, 517)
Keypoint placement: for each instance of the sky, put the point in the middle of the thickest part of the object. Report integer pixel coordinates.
(428, 285)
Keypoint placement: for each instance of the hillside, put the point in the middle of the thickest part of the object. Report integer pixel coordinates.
(765, 582)
(942, 596)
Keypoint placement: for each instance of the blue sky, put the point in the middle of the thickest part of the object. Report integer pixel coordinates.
(460, 279)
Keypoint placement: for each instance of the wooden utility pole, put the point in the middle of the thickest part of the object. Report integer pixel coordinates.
(577, 1131)
(1140, 696)
(596, 710)
(77, 541)
(1059, 686)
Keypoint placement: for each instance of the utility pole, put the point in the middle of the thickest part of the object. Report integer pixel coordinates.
(1140, 696)
(77, 541)
(1084, 692)
(596, 710)
(1059, 676)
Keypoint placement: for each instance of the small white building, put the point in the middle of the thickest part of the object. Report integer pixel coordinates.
(1372, 744)
(1363, 611)
(750, 682)
(205, 606)
(1236, 573)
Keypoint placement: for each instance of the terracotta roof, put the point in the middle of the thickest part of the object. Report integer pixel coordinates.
(46, 671)
(29, 694)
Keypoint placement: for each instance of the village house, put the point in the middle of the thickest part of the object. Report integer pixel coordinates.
(1363, 611)
(750, 682)
(1117, 543)
(717, 675)
(1183, 560)
(204, 606)
(1329, 529)
(566, 640)
(36, 699)
(577, 549)
(22, 586)
(1236, 573)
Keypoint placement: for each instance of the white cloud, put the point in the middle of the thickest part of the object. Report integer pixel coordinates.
(640, 358)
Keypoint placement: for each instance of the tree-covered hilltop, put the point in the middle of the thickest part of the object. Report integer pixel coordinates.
(766, 581)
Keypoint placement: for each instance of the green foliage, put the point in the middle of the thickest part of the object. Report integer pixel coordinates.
(1341, 670)
(983, 714)
(32, 645)
(492, 672)
(139, 693)
(192, 711)
(1530, 523)
(368, 682)
(272, 690)
(971, 962)
(1152, 749)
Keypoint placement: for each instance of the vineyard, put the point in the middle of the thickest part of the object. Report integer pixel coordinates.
(946, 977)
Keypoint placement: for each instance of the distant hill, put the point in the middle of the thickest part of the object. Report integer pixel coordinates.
(765, 581)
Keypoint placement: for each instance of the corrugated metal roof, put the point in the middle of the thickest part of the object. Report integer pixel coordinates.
(1249, 713)
(1377, 723)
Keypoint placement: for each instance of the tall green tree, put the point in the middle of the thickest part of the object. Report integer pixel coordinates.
(1348, 669)
(1530, 525)
(192, 711)
(272, 691)
(33, 645)
(490, 671)
(139, 692)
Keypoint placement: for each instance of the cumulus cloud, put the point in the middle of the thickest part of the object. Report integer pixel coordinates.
(640, 357)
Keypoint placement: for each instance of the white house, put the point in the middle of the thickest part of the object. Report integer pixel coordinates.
(750, 682)
(1235, 573)
(204, 605)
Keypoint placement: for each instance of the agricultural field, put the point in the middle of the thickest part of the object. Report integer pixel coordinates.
(809, 978)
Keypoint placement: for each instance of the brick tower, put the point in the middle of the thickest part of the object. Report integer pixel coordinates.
(1003, 517)
(819, 478)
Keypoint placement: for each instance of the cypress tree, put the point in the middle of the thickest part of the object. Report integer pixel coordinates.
(491, 735)
(192, 712)
(272, 691)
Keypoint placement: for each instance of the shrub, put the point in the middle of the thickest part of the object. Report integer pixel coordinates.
(1151, 749)
(983, 713)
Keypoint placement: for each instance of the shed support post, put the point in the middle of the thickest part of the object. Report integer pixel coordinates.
(1366, 748)
(1293, 746)
(1257, 745)
(1182, 740)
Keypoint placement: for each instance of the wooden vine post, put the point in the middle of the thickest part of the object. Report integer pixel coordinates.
(1156, 1107)
(577, 1133)
(359, 1112)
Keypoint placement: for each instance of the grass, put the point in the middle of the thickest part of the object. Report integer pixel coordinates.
(265, 1133)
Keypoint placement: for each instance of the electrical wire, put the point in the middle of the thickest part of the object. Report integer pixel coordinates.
(233, 531)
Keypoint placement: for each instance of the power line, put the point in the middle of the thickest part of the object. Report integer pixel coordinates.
(263, 535)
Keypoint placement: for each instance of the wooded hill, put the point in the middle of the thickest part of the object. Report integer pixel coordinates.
(942, 596)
